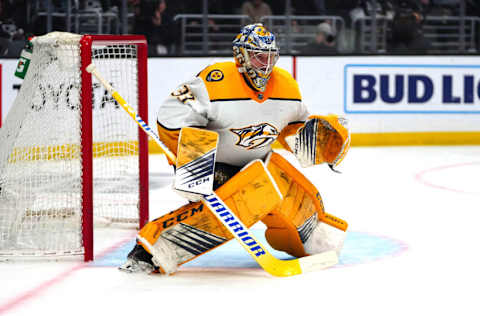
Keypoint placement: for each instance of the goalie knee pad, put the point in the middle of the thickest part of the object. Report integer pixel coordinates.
(292, 224)
(193, 229)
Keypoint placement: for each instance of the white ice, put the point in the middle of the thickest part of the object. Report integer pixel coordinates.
(413, 215)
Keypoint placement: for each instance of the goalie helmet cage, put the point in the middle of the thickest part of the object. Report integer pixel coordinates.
(68, 151)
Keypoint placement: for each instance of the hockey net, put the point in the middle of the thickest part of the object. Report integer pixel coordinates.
(67, 147)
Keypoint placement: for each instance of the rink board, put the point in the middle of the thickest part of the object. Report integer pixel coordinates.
(388, 95)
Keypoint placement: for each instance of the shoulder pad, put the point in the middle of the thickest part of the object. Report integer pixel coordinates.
(217, 72)
(285, 86)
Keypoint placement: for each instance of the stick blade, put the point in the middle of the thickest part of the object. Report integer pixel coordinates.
(319, 261)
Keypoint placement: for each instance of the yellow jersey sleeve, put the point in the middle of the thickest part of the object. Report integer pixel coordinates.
(224, 82)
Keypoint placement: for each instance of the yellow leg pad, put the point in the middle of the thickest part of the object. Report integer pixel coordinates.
(194, 230)
(301, 203)
(284, 174)
(282, 235)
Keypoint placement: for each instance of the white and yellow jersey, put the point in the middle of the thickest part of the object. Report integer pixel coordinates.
(247, 121)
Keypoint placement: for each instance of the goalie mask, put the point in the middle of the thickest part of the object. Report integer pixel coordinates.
(256, 52)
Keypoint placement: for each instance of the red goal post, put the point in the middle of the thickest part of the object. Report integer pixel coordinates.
(68, 152)
(86, 44)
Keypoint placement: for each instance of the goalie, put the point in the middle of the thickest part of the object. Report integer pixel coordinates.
(250, 104)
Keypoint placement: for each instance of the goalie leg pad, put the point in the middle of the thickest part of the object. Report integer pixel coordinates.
(291, 225)
(193, 230)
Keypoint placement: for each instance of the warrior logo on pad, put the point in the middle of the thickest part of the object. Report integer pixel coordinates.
(256, 136)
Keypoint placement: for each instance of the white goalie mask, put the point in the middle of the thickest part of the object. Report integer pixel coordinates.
(256, 53)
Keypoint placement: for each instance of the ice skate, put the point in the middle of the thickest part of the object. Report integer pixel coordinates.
(138, 261)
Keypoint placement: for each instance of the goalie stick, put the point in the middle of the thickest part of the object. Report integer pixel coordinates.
(241, 233)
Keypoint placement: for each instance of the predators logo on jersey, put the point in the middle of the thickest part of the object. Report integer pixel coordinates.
(255, 136)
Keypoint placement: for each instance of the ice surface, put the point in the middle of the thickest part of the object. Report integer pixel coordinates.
(412, 249)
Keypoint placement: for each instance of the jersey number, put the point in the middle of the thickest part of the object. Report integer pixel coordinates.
(183, 94)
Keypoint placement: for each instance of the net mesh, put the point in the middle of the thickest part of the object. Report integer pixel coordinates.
(115, 135)
(40, 149)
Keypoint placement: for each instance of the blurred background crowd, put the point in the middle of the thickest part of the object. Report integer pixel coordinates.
(303, 27)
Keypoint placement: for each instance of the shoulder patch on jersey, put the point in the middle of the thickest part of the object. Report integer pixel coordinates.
(215, 75)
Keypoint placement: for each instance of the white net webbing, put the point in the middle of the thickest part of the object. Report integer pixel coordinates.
(40, 146)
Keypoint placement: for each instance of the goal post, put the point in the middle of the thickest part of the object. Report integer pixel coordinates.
(68, 152)
(119, 46)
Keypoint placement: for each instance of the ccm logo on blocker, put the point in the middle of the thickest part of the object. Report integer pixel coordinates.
(411, 88)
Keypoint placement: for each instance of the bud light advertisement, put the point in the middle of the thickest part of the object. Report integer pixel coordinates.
(431, 89)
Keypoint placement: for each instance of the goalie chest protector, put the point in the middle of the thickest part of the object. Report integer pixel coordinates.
(249, 121)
